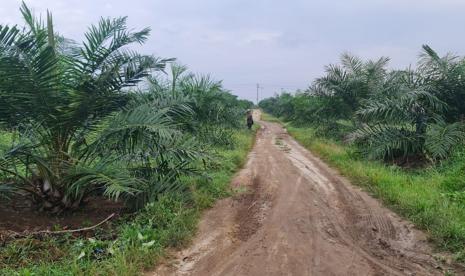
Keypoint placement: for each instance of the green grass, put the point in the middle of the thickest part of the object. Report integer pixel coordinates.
(142, 238)
(432, 198)
(5, 139)
(269, 118)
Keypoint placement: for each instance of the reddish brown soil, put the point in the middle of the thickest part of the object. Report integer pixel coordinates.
(21, 219)
(299, 217)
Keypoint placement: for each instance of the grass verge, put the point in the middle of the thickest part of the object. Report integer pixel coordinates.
(432, 198)
(138, 240)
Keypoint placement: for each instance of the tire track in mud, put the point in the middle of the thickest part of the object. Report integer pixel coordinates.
(299, 217)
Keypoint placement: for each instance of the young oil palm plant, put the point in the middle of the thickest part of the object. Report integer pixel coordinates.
(345, 86)
(215, 110)
(445, 75)
(407, 122)
(68, 106)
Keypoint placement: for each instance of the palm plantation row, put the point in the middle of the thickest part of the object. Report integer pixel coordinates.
(87, 124)
(98, 118)
(415, 113)
(397, 133)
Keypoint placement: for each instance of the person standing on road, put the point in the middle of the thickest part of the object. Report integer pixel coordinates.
(249, 119)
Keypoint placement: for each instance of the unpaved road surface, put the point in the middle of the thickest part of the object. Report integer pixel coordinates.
(299, 217)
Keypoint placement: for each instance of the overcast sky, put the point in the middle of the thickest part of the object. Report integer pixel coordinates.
(281, 44)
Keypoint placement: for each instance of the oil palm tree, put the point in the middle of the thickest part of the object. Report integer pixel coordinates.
(215, 110)
(445, 75)
(406, 122)
(69, 106)
(345, 86)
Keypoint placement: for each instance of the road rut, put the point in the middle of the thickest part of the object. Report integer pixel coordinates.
(300, 217)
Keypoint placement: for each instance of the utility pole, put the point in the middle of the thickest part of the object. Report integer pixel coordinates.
(258, 87)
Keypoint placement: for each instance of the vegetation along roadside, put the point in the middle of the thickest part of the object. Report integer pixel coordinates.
(397, 133)
(94, 133)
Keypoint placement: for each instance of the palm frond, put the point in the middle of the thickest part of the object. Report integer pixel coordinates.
(141, 127)
(352, 63)
(106, 38)
(432, 64)
(442, 138)
(383, 141)
(113, 178)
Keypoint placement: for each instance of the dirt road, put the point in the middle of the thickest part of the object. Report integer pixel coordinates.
(299, 217)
